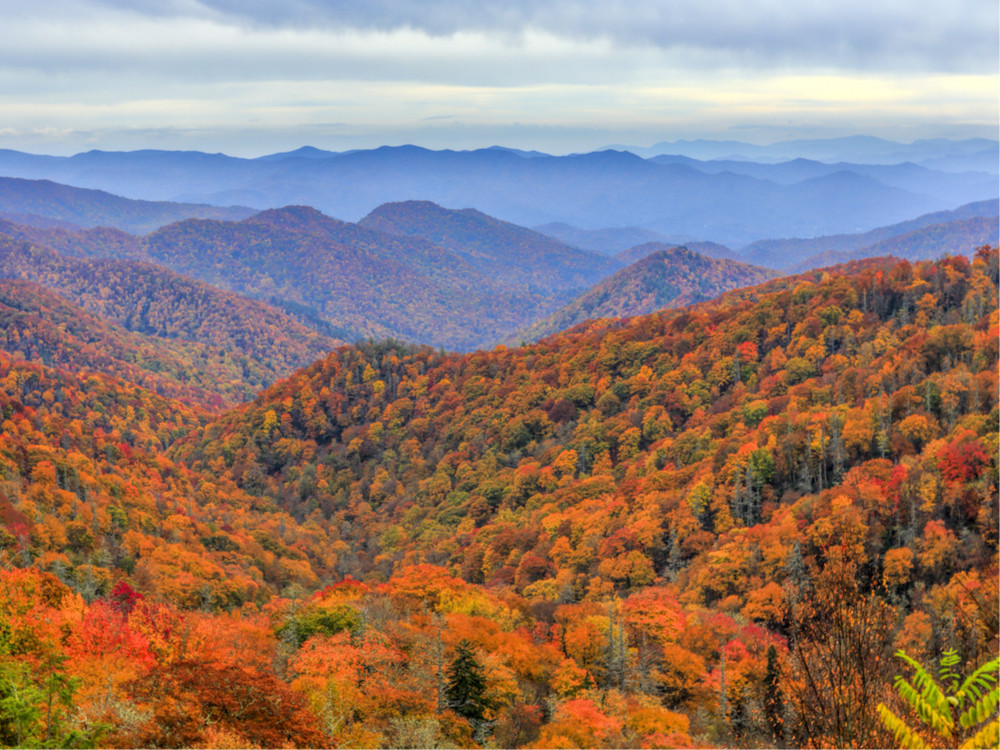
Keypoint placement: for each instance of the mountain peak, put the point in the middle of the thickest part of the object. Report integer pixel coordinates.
(303, 152)
(299, 218)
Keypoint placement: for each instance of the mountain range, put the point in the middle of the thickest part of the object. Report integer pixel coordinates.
(417, 271)
(677, 523)
(793, 253)
(975, 154)
(732, 203)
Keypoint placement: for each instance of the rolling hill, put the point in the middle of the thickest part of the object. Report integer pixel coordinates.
(507, 253)
(710, 249)
(663, 277)
(41, 326)
(91, 208)
(246, 343)
(789, 253)
(361, 281)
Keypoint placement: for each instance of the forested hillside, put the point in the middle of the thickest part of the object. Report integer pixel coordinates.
(706, 526)
(364, 282)
(504, 252)
(664, 277)
(958, 237)
(43, 201)
(41, 326)
(229, 344)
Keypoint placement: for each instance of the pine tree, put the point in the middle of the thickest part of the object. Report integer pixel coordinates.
(774, 700)
(465, 689)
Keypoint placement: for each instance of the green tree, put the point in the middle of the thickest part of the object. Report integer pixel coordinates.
(465, 687)
(943, 702)
(774, 700)
(36, 706)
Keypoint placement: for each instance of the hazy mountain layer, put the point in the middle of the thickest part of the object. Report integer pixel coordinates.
(590, 191)
(959, 237)
(789, 253)
(506, 253)
(90, 208)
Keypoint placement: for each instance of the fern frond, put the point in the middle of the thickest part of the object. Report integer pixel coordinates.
(902, 733)
(945, 671)
(929, 691)
(930, 714)
(981, 710)
(982, 680)
(950, 658)
(988, 736)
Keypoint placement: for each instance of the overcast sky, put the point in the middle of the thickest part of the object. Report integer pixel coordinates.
(249, 77)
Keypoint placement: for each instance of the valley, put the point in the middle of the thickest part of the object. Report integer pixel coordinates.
(424, 476)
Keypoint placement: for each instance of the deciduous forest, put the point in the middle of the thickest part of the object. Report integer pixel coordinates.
(768, 519)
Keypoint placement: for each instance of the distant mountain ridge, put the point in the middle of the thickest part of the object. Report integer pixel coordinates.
(789, 253)
(91, 208)
(959, 237)
(609, 240)
(859, 148)
(677, 199)
(959, 187)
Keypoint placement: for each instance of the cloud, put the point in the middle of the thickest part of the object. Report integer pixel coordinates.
(933, 35)
(470, 72)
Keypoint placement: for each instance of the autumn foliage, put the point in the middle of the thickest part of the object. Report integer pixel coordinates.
(706, 526)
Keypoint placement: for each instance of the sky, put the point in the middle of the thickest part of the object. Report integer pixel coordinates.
(250, 77)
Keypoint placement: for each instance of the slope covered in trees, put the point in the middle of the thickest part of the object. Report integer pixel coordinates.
(75, 242)
(88, 495)
(92, 208)
(791, 253)
(507, 253)
(234, 346)
(364, 281)
(707, 526)
(664, 277)
(43, 327)
(958, 237)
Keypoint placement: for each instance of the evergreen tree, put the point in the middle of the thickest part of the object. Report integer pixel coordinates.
(774, 700)
(465, 688)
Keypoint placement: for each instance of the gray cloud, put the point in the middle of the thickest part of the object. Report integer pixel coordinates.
(467, 72)
(933, 35)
